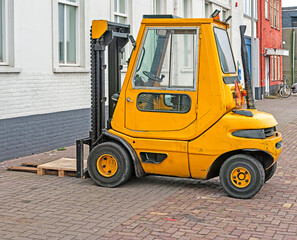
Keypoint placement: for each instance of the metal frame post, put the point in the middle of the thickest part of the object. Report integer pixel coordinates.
(79, 158)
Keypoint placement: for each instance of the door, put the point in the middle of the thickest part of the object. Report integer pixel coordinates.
(163, 96)
(267, 76)
(248, 47)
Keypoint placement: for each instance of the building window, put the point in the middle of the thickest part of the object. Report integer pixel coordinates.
(121, 16)
(294, 21)
(68, 31)
(271, 12)
(277, 15)
(159, 6)
(274, 14)
(267, 9)
(272, 68)
(120, 11)
(207, 10)
(224, 14)
(2, 33)
(247, 8)
(278, 68)
(187, 8)
(275, 68)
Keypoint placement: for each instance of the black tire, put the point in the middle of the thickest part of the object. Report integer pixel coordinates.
(251, 183)
(285, 92)
(123, 160)
(270, 172)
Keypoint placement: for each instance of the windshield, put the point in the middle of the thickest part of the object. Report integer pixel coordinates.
(168, 58)
(224, 49)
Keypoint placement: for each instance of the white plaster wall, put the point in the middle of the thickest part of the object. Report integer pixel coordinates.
(37, 89)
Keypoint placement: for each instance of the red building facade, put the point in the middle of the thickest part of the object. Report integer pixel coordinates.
(269, 32)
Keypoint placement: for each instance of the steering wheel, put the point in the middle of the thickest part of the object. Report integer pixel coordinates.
(153, 77)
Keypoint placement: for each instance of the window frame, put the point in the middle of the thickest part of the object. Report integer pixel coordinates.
(275, 68)
(5, 45)
(118, 13)
(277, 15)
(271, 12)
(272, 68)
(207, 14)
(247, 9)
(219, 53)
(164, 111)
(82, 64)
(195, 65)
(163, 7)
(267, 10)
(278, 68)
(77, 44)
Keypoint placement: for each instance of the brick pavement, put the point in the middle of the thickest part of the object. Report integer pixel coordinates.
(48, 207)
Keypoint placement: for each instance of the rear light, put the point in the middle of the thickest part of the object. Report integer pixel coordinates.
(244, 93)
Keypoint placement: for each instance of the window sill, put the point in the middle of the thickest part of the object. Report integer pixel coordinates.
(249, 17)
(8, 69)
(71, 70)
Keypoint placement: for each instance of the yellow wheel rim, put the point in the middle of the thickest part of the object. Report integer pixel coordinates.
(240, 177)
(107, 165)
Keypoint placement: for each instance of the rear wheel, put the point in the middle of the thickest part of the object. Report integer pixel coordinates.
(285, 91)
(270, 172)
(109, 165)
(242, 176)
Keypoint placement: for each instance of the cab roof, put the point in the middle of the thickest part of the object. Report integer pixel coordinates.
(164, 19)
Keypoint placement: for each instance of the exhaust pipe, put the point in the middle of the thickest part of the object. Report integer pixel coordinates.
(250, 101)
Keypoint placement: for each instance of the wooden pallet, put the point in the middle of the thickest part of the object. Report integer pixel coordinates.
(61, 167)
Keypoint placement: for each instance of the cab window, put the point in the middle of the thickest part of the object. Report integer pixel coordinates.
(224, 49)
(168, 59)
(164, 102)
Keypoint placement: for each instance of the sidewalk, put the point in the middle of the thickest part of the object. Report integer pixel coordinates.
(152, 207)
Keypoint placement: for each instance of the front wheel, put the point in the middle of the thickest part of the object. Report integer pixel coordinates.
(109, 165)
(242, 176)
(285, 92)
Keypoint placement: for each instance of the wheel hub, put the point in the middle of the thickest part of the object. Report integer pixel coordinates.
(240, 177)
(107, 165)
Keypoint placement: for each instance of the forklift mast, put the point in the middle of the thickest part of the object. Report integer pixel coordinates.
(114, 36)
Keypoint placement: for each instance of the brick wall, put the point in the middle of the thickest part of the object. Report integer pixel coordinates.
(28, 94)
(23, 136)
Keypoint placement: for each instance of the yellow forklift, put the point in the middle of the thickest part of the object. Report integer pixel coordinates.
(179, 110)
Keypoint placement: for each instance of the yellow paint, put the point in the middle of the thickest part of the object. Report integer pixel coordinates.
(107, 165)
(192, 140)
(218, 140)
(240, 177)
(99, 27)
(176, 163)
(214, 99)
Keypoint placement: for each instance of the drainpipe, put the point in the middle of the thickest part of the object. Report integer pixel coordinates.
(293, 56)
(253, 46)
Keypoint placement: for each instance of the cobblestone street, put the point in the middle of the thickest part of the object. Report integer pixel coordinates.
(152, 207)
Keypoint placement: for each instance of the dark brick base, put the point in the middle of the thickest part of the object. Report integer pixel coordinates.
(39, 133)
(273, 89)
(260, 91)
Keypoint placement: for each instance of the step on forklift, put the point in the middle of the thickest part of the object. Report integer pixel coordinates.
(179, 111)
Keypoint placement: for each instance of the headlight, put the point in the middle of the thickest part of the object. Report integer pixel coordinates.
(253, 133)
